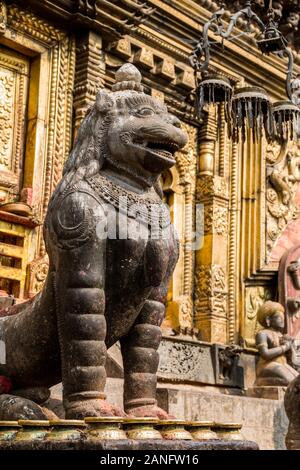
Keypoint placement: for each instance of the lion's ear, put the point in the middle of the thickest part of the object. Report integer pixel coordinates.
(103, 101)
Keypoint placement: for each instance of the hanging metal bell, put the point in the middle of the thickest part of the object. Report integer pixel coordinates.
(286, 120)
(214, 89)
(272, 41)
(251, 108)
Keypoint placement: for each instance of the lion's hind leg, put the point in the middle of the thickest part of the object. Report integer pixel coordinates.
(140, 359)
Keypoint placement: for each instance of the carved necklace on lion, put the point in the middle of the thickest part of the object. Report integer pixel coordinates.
(146, 208)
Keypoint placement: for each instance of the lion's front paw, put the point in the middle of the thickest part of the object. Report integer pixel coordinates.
(149, 411)
(91, 408)
(13, 408)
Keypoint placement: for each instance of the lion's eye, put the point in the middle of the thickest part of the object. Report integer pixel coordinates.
(145, 112)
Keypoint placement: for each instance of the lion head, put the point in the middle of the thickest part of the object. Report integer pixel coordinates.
(126, 130)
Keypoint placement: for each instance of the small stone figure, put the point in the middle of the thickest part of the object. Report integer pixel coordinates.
(273, 368)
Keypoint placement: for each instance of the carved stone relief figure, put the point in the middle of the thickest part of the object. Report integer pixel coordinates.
(273, 346)
(283, 176)
(255, 297)
(292, 408)
(289, 289)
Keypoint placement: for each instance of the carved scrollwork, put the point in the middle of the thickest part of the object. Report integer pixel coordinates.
(25, 21)
(211, 289)
(286, 14)
(215, 219)
(186, 161)
(38, 270)
(255, 297)
(180, 359)
(6, 120)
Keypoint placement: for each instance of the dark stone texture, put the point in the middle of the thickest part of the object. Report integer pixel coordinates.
(101, 289)
(292, 408)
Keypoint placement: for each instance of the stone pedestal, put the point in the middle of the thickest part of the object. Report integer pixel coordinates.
(130, 445)
(268, 392)
(264, 421)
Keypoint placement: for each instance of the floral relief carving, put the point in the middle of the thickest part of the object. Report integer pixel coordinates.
(215, 219)
(186, 159)
(211, 186)
(38, 270)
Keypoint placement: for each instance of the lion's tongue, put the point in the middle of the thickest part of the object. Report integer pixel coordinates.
(158, 161)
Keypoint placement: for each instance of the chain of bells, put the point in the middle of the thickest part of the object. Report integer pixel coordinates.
(250, 113)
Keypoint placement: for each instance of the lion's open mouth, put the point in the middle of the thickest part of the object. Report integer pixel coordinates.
(163, 149)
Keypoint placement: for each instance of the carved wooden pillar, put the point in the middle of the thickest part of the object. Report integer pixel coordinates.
(211, 285)
(207, 138)
(89, 73)
(181, 189)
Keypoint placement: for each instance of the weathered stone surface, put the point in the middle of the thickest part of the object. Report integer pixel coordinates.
(131, 445)
(264, 421)
(200, 362)
(22, 408)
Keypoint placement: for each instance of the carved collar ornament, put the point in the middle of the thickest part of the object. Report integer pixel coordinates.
(248, 107)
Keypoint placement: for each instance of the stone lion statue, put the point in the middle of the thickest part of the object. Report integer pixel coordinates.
(112, 250)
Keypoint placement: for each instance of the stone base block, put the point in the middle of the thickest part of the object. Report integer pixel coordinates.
(130, 445)
(264, 421)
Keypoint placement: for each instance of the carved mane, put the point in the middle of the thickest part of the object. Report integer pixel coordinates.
(90, 147)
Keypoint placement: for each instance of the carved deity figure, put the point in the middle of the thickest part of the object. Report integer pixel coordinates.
(273, 347)
(112, 250)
